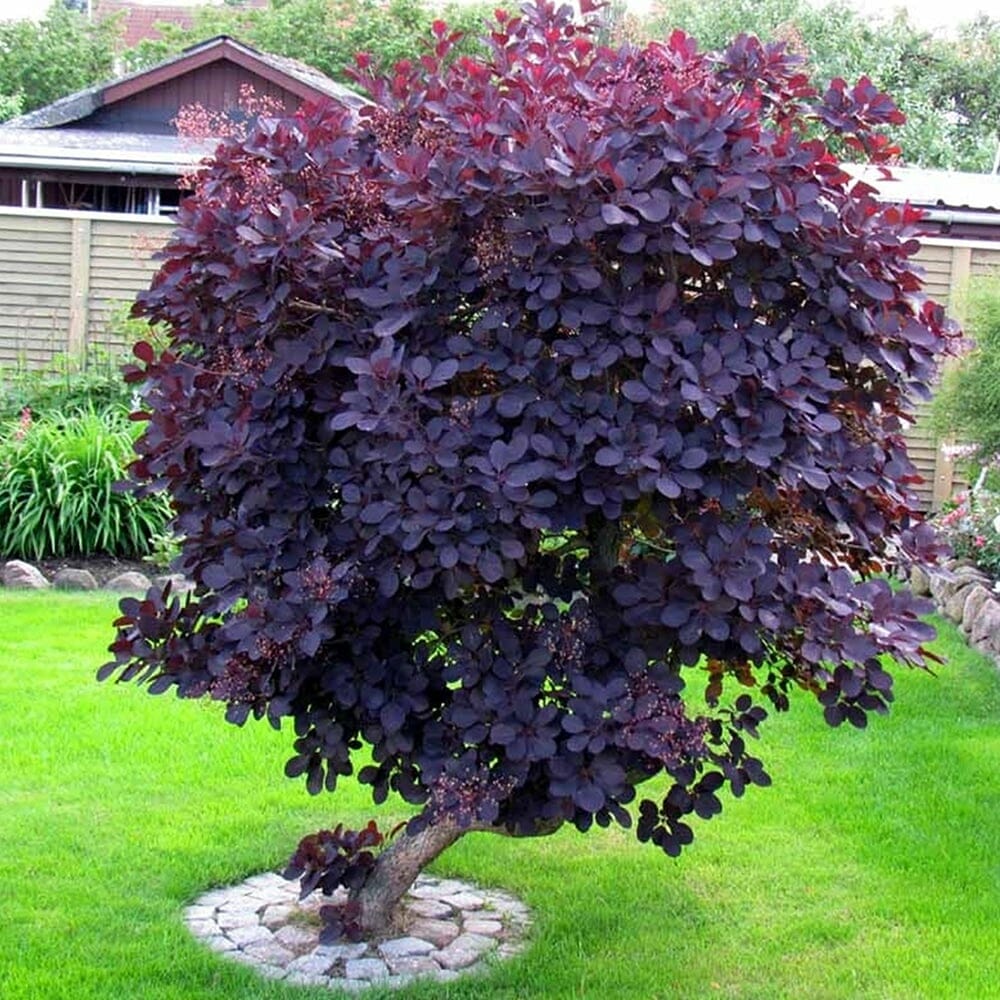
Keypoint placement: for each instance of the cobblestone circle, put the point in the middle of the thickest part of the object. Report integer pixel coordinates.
(445, 927)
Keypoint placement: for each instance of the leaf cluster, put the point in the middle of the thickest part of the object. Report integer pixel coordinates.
(332, 859)
(498, 412)
(948, 87)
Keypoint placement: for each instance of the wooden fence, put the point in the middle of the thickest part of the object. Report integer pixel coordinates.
(63, 273)
(948, 266)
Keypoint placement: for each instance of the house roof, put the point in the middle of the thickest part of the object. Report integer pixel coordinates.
(937, 189)
(82, 150)
(140, 20)
(301, 80)
(139, 23)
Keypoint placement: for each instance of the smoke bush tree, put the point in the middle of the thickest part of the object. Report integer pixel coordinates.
(500, 409)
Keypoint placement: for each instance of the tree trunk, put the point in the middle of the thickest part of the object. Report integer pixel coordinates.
(605, 538)
(398, 866)
(396, 869)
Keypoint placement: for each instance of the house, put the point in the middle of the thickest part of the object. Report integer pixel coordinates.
(89, 184)
(114, 148)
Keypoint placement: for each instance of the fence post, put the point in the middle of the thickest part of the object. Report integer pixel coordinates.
(79, 287)
(961, 271)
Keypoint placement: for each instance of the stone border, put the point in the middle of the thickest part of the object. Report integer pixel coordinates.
(18, 575)
(967, 596)
(446, 927)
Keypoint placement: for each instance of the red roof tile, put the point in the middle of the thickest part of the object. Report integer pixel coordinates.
(140, 19)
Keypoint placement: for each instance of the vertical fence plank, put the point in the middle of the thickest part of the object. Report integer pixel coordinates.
(945, 478)
(79, 284)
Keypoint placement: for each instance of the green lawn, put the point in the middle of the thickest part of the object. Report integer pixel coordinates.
(870, 870)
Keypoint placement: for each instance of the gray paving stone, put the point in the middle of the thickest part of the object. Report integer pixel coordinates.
(243, 936)
(199, 912)
(439, 932)
(463, 951)
(213, 898)
(220, 943)
(244, 901)
(510, 908)
(272, 971)
(306, 979)
(240, 912)
(372, 969)
(342, 952)
(202, 928)
(270, 953)
(231, 919)
(432, 908)
(475, 925)
(310, 964)
(508, 949)
(413, 965)
(401, 947)
(464, 901)
(265, 880)
(277, 915)
(446, 887)
(297, 938)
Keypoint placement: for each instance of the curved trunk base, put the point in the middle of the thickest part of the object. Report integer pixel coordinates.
(397, 868)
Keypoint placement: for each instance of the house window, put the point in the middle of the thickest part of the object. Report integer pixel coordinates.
(74, 195)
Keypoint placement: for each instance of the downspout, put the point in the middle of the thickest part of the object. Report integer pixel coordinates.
(948, 217)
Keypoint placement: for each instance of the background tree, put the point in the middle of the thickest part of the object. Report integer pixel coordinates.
(967, 403)
(325, 34)
(41, 62)
(531, 432)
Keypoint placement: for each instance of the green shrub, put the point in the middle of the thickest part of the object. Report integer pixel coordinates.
(57, 487)
(967, 404)
(970, 524)
(69, 383)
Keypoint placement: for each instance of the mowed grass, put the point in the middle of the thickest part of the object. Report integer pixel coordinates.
(870, 869)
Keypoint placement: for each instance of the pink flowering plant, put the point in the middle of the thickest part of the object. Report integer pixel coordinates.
(970, 524)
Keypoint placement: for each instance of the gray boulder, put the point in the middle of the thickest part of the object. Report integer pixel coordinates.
(920, 583)
(24, 576)
(129, 583)
(945, 585)
(954, 606)
(74, 579)
(985, 631)
(180, 584)
(974, 601)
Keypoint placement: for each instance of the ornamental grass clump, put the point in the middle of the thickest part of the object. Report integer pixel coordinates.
(534, 431)
(58, 475)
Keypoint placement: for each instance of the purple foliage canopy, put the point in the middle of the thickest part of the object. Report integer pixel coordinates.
(548, 382)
